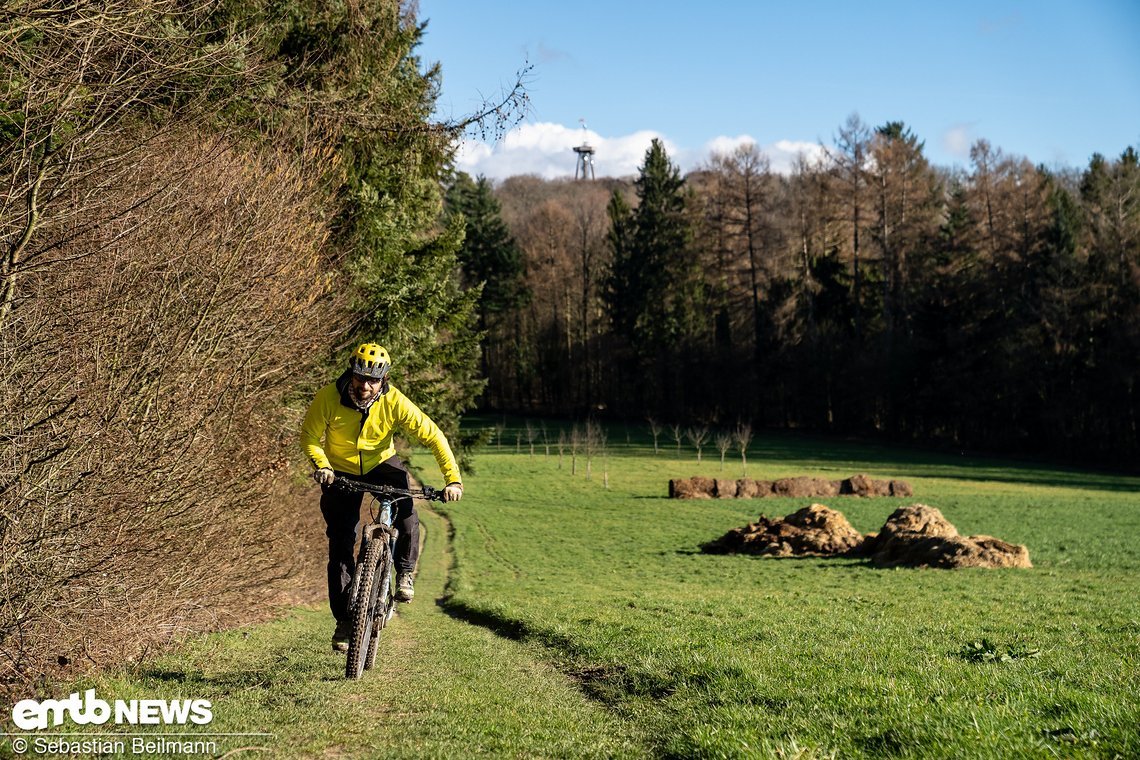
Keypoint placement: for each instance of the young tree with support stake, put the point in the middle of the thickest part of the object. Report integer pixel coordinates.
(743, 435)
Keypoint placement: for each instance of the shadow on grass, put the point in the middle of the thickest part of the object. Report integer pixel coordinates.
(270, 666)
(608, 683)
(268, 677)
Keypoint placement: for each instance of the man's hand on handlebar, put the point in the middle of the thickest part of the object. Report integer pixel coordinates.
(324, 476)
(453, 492)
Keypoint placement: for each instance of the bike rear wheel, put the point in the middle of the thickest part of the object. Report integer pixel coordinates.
(371, 603)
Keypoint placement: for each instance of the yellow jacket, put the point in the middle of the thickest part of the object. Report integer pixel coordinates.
(356, 441)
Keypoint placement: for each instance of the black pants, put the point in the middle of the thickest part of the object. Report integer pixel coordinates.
(342, 520)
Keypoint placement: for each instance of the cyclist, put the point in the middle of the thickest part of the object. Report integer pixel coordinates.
(356, 417)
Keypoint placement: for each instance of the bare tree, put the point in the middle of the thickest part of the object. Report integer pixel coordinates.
(698, 434)
(723, 444)
(655, 429)
(595, 444)
(531, 434)
(850, 162)
(120, 399)
(678, 435)
(575, 444)
(76, 74)
(605, 457)
(743, 436)
(747, 186)
(591, 443)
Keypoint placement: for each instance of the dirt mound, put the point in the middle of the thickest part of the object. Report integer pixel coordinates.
(920, 536)
(796, 487)
(914, 536)
(812, 531)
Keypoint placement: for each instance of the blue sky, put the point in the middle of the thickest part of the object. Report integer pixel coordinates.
(1052, 81)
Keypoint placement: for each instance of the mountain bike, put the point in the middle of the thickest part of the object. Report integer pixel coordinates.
(372, 594)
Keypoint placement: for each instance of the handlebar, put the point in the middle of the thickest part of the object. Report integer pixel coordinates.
(427, 493)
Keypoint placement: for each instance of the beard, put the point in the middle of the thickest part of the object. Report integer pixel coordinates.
(363, 398)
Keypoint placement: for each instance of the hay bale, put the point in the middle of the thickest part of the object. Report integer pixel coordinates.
(826, 487)
(705, 488)
(801, 487)
(920, 536)
(692, 488)
(680, 488)
(724, 489)
(794, 487)
(900, 488)
(856, 485)
(747, 488)
(812, 531)
(864, 485)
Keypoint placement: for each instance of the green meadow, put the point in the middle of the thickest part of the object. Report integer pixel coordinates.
(565, 616)
(739, 656)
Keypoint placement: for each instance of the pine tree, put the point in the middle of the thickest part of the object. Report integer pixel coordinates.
(655, 287)
(656, 291)
(492, 262)
(624, 281)
(489, 255)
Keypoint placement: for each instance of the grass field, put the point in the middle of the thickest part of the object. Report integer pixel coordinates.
(724, 656)
(443, 688)
(571, 619)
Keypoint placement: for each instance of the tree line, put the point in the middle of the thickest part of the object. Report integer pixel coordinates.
(205, 205)
(866, 291)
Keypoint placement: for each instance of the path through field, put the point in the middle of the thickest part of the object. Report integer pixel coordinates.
(447, 689)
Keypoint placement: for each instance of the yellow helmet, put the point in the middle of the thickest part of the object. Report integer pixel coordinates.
(370, 360)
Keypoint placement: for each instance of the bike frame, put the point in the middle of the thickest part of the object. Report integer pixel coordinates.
(373, 602)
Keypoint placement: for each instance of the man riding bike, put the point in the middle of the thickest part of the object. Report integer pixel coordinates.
(356, 416)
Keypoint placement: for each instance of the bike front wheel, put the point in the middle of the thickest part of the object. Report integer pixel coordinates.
(385, 608)
(372, 602)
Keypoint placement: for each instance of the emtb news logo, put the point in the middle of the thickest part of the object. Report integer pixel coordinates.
(31, 714)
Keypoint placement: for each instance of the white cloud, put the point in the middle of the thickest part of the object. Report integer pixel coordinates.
(727, 144)
(545, 149)
(781, 154)
(957, 140)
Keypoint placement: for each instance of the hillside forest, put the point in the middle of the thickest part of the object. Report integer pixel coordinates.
(867, 292)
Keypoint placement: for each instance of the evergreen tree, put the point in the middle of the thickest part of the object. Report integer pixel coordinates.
(656, 286)
(491, 261)
(489, 255)
(656, 290)
(624, 274)
(346, 88)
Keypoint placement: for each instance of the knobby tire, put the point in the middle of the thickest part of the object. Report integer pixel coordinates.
(384, 605)
(365, 630)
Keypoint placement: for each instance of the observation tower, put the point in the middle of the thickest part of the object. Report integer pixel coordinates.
(584, 169)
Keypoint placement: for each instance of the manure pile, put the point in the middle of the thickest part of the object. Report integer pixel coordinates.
(914, 536)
